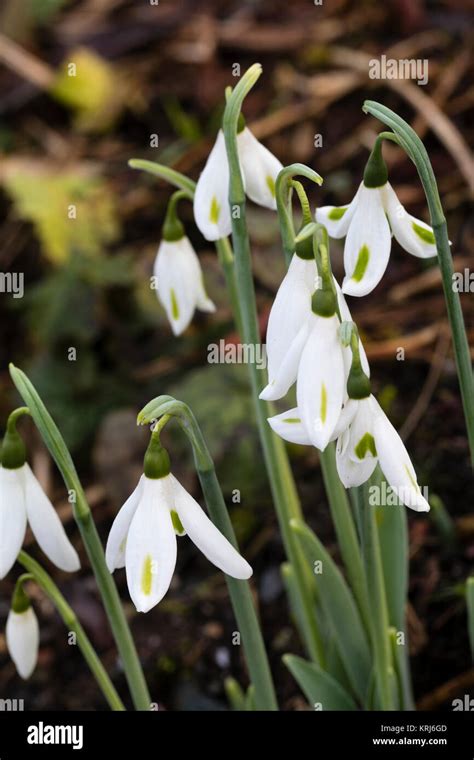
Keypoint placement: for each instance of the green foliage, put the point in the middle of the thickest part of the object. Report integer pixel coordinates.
(319, 687)
(42, 197)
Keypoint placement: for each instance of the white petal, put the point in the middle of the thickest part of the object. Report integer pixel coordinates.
(22, 635)
(116, 542)
(367, 247)
(352, 473)
(47, 527)
(414, 235)
(290, 427)
(337, 219)
(288, 370)
(211, 204)
(260, 169)
(204, 534)
(321, 380)
(396, 464)
(346, 317)
(290, 311)
(346, 416)
(179, 283)
(12, 516)
(150, 553)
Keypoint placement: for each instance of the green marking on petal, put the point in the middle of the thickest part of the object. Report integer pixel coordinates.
(174, 305)
(324, 403)
(337, 213)
(147, 575)
(271, 184)
(292, 420)
(361, 265)
(366, 444)
(426, 235)
(177, 524)
(412, 479)
(215, 210)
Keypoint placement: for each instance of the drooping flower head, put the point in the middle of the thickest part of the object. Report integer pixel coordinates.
(143, 535)
(179, 278)
(368, 223)
(22, 632)
(22, 499)
(259, 172)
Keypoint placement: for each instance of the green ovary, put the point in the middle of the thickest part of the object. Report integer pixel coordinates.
(365, 445)
(361, 265)
(425, 235)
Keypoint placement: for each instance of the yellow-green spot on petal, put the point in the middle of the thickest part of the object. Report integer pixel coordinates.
(174, 305)
(337, 213)
(426, 235)
(365, 445)
(215, 210)
(147, 575)
(361, 265)
(271, 184)
(292, 420)
(411, 478)
(324, 403)
(177, 524)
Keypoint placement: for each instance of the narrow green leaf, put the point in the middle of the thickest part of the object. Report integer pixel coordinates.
(49, 432)
(339, 609)
(234, 694)
(318, 686)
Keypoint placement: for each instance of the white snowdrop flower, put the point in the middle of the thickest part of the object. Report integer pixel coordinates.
(23, 500)
(178, 273)
(179, 283)
(22, 633)
(288, 325)
(260, 169)
(371, 438)
(143, 535)
(367, 223)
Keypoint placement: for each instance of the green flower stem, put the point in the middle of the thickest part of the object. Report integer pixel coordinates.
(379, 617)
(83, 516)
(284, 185)
(226, 260)
(164, 172)
(239, 591)
(276, 459)
(346, 532)
(413, 146)
(72, 624)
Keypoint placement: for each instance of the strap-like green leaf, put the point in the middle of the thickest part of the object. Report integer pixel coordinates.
(340, 610)
(319, 687)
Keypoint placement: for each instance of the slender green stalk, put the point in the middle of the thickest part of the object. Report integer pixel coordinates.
(346, 532)
(83, 516)
(379, 618)
(164, 172)
(413, 146)
(239, 591)
(72, 624)
(275, 456)
(226, 260)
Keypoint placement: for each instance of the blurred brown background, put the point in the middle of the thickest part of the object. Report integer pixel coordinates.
(155, 74)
